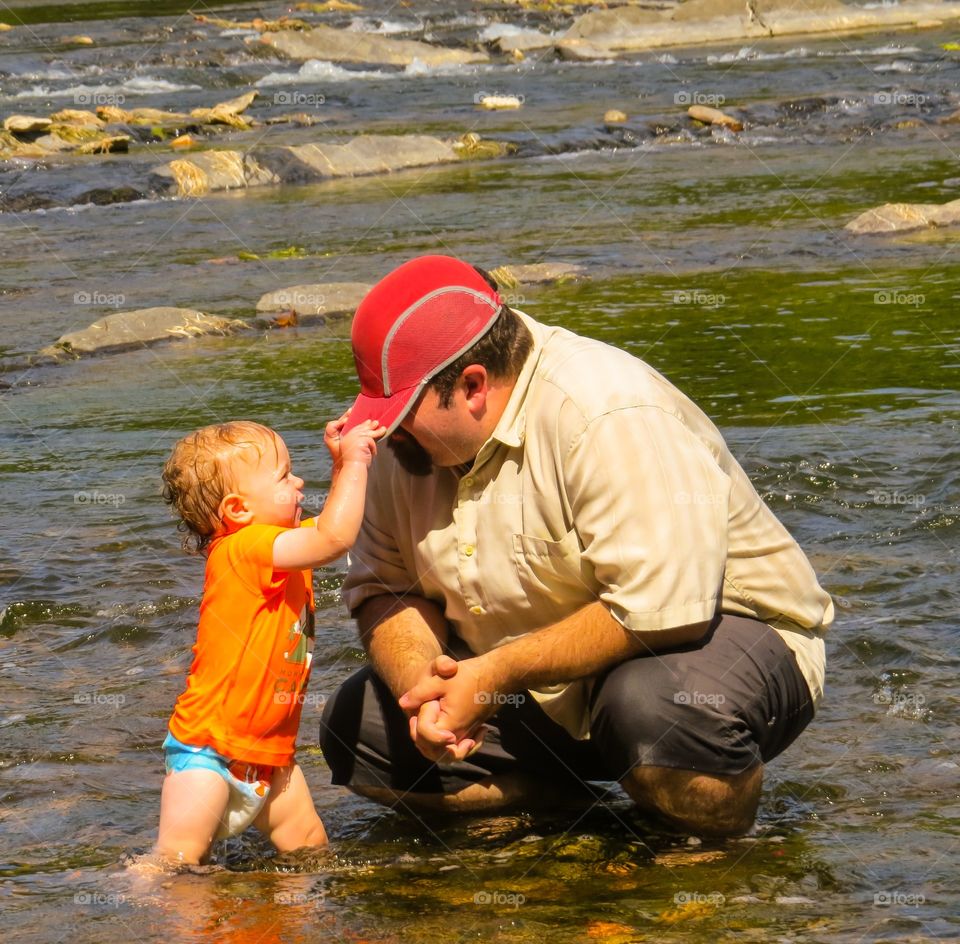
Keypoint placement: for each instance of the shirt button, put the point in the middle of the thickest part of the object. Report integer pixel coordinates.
(468, 550)
(468, 481)
(476, 610)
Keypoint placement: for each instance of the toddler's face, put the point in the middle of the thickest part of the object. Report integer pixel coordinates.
(272, 492)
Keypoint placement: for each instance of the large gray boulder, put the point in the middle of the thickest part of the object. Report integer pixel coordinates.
(316, 302)
(334, 45)
(903, 217)
(140, 328)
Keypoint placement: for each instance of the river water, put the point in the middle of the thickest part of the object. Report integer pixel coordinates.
(830, 362)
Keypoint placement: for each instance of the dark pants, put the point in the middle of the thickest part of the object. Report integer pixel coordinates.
(721, 706)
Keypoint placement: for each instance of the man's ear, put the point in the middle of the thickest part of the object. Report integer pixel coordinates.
(475, 387)
(234, 511)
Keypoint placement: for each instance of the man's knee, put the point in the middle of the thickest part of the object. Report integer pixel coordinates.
(698, 803)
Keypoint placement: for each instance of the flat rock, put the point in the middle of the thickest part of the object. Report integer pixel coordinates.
(624, 29)
(904, 217)
(334, 45)
(133, 329)
(523, 40)
(365, 154)
(24, 124)
(210, 171)
(316, 302)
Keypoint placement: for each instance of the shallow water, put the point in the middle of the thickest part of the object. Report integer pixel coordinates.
(830, 363)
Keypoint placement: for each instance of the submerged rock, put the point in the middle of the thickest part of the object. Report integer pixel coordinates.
(334, 45)
(133, 329)
(537, 273)
(315, 302)
(904, 217)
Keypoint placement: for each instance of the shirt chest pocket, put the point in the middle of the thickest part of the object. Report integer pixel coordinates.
(552, 571)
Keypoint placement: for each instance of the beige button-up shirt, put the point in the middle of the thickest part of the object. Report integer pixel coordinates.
(601, 481)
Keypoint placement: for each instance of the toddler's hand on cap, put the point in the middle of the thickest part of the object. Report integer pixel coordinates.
(360, 444)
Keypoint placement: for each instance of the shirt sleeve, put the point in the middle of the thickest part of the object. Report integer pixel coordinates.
(649, 503)
(375, 565)
(250, 553)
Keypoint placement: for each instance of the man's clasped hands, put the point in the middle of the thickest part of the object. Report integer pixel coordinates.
(447, 707)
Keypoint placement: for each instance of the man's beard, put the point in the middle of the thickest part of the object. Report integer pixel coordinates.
(413, 458)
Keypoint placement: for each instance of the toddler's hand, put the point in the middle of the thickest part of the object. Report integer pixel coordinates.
(359, 445)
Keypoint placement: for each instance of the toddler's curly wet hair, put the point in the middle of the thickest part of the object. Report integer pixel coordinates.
(199, 474)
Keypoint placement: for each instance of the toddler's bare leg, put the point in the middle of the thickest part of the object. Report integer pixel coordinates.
(192, 805)
(289, 819)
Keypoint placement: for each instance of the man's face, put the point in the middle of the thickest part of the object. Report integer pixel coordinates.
(431, 435)
(413, 458)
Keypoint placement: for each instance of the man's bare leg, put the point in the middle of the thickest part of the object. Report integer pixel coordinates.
(697, 803)
(492, 794)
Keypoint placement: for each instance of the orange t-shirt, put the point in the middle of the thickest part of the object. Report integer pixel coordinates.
(252, 655)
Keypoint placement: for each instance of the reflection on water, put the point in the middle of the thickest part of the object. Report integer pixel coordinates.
(830, 364)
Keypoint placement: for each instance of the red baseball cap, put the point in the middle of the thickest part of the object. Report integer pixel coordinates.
(412, 324)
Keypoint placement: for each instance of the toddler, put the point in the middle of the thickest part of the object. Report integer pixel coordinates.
(230, 749)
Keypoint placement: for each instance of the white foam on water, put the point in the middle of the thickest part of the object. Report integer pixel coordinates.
(495, 31)
(900, 66)
(666, 59)
(317, 70)
(750, 54)
(238, 32)
(144, 85)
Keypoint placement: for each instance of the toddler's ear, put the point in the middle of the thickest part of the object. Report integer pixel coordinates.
(234, 510)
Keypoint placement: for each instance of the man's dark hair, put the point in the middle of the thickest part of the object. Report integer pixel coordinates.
(502, 350)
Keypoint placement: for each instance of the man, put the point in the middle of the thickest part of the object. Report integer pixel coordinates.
(563, 575)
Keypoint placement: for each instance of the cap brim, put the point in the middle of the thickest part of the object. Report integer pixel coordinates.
(388, 411)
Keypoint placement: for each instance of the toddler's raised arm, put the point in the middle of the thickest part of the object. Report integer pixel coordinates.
(336, 527)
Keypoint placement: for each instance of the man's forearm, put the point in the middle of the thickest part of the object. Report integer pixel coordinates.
(584, 644)
(401, 636)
